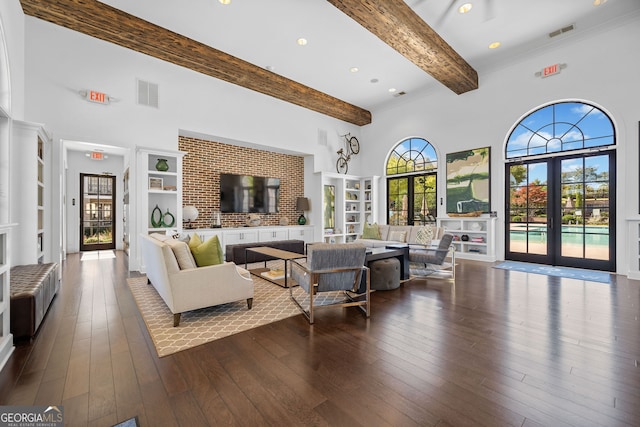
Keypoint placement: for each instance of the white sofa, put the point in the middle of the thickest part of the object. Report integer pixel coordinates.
(394, 234)
(185, 289)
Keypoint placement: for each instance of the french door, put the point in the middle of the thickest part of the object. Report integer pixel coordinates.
(97, 216)
(561, 211)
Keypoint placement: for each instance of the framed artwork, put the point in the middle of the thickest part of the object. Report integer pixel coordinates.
(329, 206)
(469, 181)
(155, 183)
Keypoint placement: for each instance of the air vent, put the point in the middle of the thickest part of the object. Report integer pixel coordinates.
(399, 94)
(322, 137)
(562, 31)
(147, 94)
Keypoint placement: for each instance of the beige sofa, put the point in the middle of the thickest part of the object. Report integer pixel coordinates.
(185, 287)
(393, 234)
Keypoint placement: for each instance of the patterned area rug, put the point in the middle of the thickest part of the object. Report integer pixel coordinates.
(270, 304)
(573, 273)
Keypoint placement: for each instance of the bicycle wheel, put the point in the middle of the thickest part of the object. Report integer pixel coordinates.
(341, 165)
(354, 145)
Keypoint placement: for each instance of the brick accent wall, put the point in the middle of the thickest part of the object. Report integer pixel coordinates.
(206, 160)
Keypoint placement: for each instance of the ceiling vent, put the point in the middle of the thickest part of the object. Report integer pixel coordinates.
(399, 94)
(562, 31)
(147, 94)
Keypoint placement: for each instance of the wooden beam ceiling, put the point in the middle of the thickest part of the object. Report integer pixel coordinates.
(113, 25)
(396, 24)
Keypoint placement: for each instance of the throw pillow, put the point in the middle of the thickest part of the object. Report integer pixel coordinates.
(398, 236)
(371, 231)
(182, 253)
(424, 235)
(207, 253)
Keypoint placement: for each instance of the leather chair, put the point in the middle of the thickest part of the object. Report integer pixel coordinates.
(330, 268)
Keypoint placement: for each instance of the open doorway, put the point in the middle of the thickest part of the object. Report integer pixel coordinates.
(97, 216)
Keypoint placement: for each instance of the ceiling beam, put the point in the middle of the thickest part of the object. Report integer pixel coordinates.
(396, 24)
(113, 25)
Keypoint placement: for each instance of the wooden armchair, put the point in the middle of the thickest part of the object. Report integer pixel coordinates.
(330, 268)
(425, 261)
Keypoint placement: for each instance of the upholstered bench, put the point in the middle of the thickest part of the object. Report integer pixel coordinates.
(385, 274)
(32, 288)
(237, 253)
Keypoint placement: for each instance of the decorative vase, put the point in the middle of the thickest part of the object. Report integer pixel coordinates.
(156, 217)
(168, 219)
(162, 165)
(302, 220)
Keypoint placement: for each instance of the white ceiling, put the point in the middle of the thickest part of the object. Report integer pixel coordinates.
(264, 33)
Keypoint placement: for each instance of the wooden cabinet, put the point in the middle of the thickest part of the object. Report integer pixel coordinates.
(474, 238)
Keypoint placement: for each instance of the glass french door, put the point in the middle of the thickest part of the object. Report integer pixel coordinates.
(412, 199)
(97, 219)
(561, 211)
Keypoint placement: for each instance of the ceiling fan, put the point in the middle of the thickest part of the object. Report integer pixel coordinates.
(458, 4)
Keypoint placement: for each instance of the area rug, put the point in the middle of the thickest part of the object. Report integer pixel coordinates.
(548, 270)
(270, 304)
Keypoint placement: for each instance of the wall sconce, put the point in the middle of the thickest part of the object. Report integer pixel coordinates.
(302, 204)
(189, 214)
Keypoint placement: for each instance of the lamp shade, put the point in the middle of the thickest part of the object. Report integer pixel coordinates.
(189, 213)
(302, 204)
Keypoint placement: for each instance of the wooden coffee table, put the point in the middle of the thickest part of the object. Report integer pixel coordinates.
(286, 256)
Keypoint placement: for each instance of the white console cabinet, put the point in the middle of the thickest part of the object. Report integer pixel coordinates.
(241, 235)
(474, 238)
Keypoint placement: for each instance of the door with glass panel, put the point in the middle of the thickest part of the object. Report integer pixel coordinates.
(412, 200)
(97, 216)
(561, 211)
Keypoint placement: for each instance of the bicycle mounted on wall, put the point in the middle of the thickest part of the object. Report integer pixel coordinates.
(353, 147)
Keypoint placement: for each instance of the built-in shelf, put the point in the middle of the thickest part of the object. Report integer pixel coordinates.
(473, 238)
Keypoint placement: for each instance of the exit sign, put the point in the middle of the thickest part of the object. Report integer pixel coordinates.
(97, 155)
(95, 96)
(550, 70)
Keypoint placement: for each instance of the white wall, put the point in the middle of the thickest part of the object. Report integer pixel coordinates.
(601, 68)
(79, 163)
(12, 25)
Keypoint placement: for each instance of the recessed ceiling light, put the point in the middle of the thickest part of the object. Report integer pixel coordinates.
(495, 45)
(374, 80)
(270, 67)
(393, 89)
(465, 8)
(599, 2)
(354, 69)
(225, 1)
(302, 41)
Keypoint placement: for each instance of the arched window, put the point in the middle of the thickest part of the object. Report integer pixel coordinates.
(560, 127)
(411, 183)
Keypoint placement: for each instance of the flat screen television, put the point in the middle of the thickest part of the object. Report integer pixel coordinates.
(247, 193)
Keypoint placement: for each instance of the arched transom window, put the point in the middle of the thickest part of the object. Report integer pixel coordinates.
(565, 126)
(412, 182)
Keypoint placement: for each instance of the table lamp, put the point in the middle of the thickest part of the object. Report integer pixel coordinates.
(302, 204)
(189, 214)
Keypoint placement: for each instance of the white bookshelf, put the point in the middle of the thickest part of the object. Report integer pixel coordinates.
(474, 238)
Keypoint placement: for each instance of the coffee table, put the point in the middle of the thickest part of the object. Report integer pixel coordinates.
(286, 256)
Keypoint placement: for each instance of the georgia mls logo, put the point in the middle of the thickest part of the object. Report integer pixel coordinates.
(31, 416)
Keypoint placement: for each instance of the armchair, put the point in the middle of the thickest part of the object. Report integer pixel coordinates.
(332, 267)
(424, 260)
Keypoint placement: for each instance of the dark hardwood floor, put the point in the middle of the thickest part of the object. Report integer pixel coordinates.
(498, 348)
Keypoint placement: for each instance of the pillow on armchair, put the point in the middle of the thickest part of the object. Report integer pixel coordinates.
(371, 231)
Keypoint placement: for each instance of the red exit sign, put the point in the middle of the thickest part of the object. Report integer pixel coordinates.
(95, 96)
(550, 70)
(98, 97)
